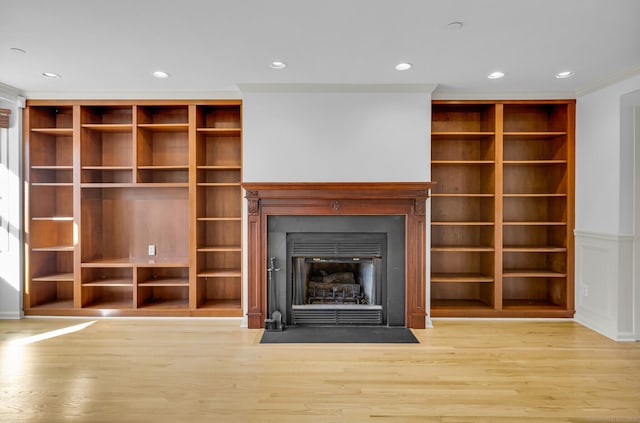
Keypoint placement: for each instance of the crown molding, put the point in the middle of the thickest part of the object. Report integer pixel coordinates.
(337, 88)
(538, 95)
(133, 95)
(612, 79)
(8, 90)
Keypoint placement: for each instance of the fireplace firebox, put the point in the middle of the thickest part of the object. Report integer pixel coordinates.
(337, 278)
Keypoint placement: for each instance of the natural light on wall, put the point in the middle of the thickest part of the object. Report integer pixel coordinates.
(4, 179)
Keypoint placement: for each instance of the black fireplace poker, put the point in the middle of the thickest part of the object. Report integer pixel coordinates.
(274, 321)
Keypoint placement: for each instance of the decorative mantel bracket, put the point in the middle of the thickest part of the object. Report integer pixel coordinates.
(351, 198)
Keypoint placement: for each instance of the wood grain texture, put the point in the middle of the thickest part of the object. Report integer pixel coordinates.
(173, 370)
(407, 199)
(106, 179)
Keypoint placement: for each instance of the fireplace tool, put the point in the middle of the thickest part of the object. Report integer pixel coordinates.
(274, 320)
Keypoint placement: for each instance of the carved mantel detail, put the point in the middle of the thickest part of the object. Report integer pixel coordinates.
(349, 198)
(421, 208)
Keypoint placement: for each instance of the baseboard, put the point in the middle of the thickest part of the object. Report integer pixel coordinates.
(611, 334)
(626, 337)
(11, 315)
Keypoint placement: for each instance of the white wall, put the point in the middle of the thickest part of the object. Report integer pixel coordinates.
(343, 135)
(10, 244)
(604, 209)
(294, 134)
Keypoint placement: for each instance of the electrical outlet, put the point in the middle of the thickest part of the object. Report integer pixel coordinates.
(585, 290)
(152, 250)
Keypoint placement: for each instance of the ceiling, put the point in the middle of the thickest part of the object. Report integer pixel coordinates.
(209, 47)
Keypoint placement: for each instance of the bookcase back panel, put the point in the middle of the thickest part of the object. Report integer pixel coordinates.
(462, 235)
(463, 179)
(463, 148)
(463, 118)
(535, 148)
(107, 115)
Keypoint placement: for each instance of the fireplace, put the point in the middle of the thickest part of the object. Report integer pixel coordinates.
(383, 287)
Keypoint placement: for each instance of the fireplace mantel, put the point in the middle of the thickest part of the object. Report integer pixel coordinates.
(408, 199)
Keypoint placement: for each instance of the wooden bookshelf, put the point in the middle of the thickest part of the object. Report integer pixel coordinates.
(502, 211)
(49, 172)
(109, 179)
(218, 222)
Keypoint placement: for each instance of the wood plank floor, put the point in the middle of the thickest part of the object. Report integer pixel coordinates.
(190, 370)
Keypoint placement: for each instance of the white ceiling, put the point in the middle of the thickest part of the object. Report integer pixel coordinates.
(109, 48)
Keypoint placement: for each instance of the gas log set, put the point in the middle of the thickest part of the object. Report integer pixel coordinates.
(334, 288)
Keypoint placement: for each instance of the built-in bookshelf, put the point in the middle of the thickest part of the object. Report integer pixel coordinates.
(502, 209)
(134, 208)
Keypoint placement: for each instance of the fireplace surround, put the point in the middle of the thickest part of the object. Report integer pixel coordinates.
(406, 200)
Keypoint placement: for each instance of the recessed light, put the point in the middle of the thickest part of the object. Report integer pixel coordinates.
(278, 65)
(160, 74)
(454, 26)
(50, 75)
(403, 66)
(565, 74)
(495, 75)
(18, 50)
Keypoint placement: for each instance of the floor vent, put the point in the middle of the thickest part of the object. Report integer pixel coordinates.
(325, 314)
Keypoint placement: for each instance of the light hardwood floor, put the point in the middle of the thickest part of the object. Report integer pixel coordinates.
(173, 370)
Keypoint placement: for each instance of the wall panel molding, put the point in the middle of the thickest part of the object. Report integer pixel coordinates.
(604, 285)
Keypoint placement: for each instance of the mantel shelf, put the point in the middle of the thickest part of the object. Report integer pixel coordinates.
(338, 190)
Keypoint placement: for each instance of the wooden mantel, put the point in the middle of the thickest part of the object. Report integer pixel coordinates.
(325, 199)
